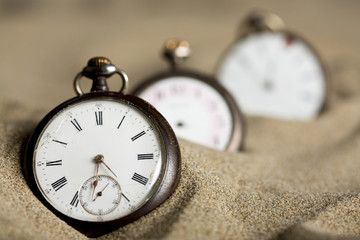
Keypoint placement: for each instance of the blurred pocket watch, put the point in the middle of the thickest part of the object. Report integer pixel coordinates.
(102, 159)
(273, 72)
(196, 106)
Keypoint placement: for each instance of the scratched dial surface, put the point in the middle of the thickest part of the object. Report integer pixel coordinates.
(65, 166)
(195, 110)
(274, 74)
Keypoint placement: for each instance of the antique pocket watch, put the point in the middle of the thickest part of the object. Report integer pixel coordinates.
(196, 106)
(273, 72)
(102, 159)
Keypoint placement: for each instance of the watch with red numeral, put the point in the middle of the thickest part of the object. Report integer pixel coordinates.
(196, 106)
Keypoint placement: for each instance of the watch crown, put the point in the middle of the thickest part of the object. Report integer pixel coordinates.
(98, 62)
(177, 51)
(261, 20)
(179, 48)
(99, 69)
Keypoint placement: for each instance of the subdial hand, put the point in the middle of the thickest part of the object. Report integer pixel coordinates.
(99, 194)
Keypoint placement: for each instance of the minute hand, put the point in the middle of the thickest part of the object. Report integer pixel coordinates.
(109, 169)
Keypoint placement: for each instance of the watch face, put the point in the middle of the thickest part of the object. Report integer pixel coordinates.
(69, 174)
(195, 110)
(274, 74)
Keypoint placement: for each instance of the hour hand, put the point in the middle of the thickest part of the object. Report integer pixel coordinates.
(95, 183)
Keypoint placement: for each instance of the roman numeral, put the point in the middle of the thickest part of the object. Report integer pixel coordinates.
(140, 179)
(59, 142)
(146, 156)
(99, 118)
(125, 197)
(75, 200)
(121, 122)
(54, 163)
(76, 124)
(138, 135)
(59, 183)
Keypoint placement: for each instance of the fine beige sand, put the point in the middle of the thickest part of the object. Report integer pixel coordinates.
(294, 180)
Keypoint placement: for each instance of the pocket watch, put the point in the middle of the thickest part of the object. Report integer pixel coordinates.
(196, 106)
(102, 159)
(274, 72)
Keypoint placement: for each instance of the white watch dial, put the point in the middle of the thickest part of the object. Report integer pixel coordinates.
(195, 110)
(131, 170)
(276, 75)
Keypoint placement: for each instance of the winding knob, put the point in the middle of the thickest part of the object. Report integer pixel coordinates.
(98, 62)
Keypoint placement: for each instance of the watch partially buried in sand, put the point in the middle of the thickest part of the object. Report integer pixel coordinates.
(274, 72)
(196, 106)
(102, 159)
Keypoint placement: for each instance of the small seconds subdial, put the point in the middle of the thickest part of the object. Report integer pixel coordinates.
(106, 198)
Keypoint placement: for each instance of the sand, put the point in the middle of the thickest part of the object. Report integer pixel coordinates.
(294, 180)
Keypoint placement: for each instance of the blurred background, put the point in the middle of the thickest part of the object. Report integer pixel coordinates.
(44, 44)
